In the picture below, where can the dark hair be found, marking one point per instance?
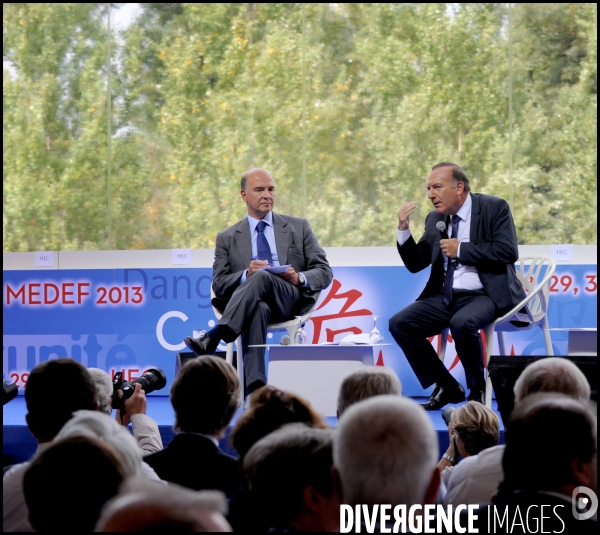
(545, 434)
(244, 181)
(67, 485)
(270, 408)
(281, 465)
(205, 395)
(55, 390)
(458, 175)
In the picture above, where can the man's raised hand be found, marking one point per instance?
(404, 215)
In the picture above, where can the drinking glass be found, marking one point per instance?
(300, 336)
(375, 336)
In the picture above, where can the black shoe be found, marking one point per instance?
(198, 345)
(478, 395)
(443, 396)
(435, 392)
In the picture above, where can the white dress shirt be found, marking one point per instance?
(269, 233)
(465, 277)
(476, 478)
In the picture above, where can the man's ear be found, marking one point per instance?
(584, 472)
(311, 498)
(433, 487)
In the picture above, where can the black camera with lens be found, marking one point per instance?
(447, 415)
(153, 379)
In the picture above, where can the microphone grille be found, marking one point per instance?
(440, 225)
(285, 340)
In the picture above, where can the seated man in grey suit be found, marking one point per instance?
(250, 296)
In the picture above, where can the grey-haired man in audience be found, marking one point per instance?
(549, 463)
(367, 382)
(144, 428)
(386, 452)
(476, 478)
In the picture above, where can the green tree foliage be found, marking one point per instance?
(55, 162)
(363, 98)
(556, 113)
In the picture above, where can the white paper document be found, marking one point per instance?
(351, 339)
(276, 270)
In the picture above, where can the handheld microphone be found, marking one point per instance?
(285, 340)
(441, 226)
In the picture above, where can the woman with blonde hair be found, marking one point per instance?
(472, 428)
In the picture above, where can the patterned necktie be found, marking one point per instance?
(449, 279)
(263, 251)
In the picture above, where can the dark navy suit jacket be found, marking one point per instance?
(195, 462)
(492, 249)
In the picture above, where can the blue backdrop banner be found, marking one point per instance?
(133, 319)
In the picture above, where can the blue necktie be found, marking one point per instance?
(449, 279)
(263, 251)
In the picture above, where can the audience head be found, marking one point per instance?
(66, 486)
(269, 409)
(386, 452)
(105, 389)
(475, 427)
(94, 424)
(367, 382)
(55, 389)
(289, 472)
(205, 395)
(144, 505)
(552, 374)
(550, 445)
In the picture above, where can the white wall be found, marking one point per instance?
(161, 258)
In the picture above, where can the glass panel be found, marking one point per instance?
(348, 105)
(555, 111)
(54, 127)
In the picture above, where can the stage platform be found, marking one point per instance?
(18, 444)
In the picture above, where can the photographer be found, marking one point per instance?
(145, 429)
(472, 428)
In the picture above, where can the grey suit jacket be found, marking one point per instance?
(296, 245)
(492, 249)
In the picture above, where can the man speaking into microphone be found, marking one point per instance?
(470, 243)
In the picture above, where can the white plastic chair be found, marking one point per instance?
(529, 313)
(291, 326)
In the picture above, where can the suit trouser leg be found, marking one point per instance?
(411, 327)
(264, 298)
(467, 313)
(472, 311)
